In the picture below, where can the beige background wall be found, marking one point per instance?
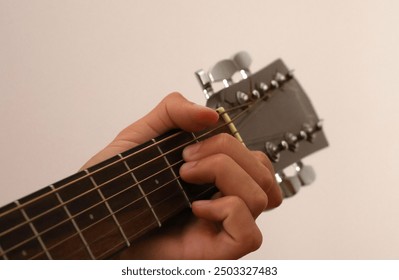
(73, 73)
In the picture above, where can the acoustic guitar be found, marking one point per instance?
(97, 212)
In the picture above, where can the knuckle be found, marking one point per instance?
(262, 157)
(267, 180)
(260, 202)
(173, 95)
(223, 140)
(255, 240)
(219, 161)
(171, 98)
(234, 202)
(277, 199)
(252, 238)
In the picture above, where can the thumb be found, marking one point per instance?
(174, 111)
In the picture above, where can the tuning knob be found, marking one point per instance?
(289, 185)
(243, 61)
(305, 173)
(292, 141)
(205, 83)
(273, 150)
(223, 71)
(311, 131)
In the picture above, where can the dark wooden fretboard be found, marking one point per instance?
(99, 211)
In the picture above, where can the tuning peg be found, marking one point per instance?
(309, 132)
(223, 71)
(292, 141)
(290, 74)
(289, 185)
(205, 83)
(263, 87)
(273, 150)
(242, 97)
(280, 78)
(319, 125)
(305, 173)
(243, 61)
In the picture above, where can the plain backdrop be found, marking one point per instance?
(74, 73)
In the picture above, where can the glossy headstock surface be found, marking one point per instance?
(273, 114)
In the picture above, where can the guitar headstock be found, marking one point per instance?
(272, 113)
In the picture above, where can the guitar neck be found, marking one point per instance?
(99, 211)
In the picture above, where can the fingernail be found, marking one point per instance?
(189, 151)
(188, 165)
(201, 202)
(201, 107)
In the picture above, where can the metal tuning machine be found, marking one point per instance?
(290, 185)
(243, 61)
(223, 71)
(272, 113)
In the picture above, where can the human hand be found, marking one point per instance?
(223, 227)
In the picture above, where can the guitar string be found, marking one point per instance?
(99, 203)
(114, 178)
(196, 138)
(92, 189)
(108, 216)
(124, 158)
(166, 217)
(89, 174)
(108, 198)
(123, 242)
(174, 135)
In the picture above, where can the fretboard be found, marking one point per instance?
(99, 211)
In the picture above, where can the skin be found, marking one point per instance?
(223, 227)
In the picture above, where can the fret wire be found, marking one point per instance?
(101, 185)
(162, 140)
(174, 174)
(195, 137)
(145, 228)
(120, 209)
(71, 217)
(141, 191)
(103, 234)
(74, 224)
(33, 228)
(110, 210)
(85, 176)
(136, 152)
(117, 245)
(84, 193)
(2, 253)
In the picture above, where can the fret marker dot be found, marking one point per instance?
(91, 217)
(156, 181)
(24, 253)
